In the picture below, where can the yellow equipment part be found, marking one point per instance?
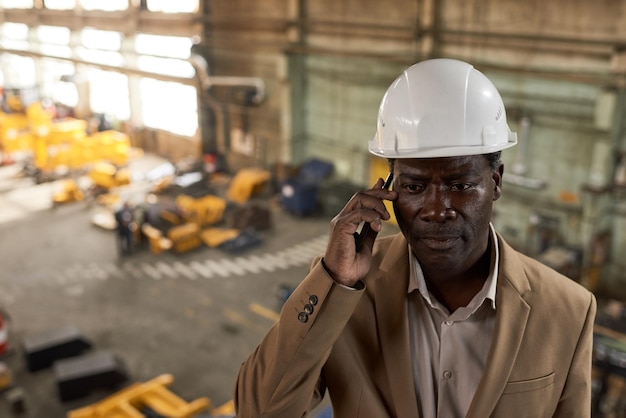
(213, 237)
(128, 402)
(206, 210)
(185, 237)
(107, 176)
(246, 183)
(69, 192)
(157, 241)
(227, 409)
(111, 146)
(58, 144)
(14, 132)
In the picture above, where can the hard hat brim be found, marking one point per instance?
(438, 152)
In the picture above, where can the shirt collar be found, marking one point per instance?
(488, 291)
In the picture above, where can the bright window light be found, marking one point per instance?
(54, 40)
(170, 6)
(58, 35)
(100, 57)
(17, 31)
(101, 39)
(169, 106)
(14, 36)
(65, 93)
(108, 93)
(167, 66)
(19, 71)
(51, 84)
(60, 4)
(107, 6)
(163, 46)
(17, 4)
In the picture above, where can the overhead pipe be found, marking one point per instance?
(208, 81)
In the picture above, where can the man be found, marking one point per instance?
(444, 319)
(125, 222)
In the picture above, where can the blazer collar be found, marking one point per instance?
(389, 287)
(511, 318)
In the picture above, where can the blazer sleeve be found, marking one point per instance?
(576, 397)
(283, 376)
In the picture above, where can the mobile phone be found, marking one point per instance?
(365, 229)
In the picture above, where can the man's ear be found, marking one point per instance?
(496, 175)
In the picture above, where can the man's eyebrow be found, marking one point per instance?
(452, 176)
(463, 174)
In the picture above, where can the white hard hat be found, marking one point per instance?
(441, 108)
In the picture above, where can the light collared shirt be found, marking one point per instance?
(449, 350)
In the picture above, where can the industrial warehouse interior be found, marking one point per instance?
(231, 133)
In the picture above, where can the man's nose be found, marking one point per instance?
(436, 206)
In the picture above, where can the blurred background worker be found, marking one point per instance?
(444, 319)
(125, 219)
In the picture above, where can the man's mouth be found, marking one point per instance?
(439, 243)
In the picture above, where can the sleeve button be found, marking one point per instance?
(313, 300)
(303, 317)
(308, 308)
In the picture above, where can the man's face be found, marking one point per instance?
(444, 208)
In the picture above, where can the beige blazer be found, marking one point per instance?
(355, 345)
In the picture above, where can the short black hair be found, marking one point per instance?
(494, 159)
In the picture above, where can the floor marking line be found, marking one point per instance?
(264, 312)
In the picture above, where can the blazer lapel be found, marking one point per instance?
(391, 306)
(511, 318)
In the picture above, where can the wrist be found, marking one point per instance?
(356, 285)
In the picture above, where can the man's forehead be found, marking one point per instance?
(462, 163)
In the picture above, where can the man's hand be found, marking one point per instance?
(343, 262)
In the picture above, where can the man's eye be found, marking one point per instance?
(460, 187)
(414, 188)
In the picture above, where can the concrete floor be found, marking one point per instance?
(195, 315)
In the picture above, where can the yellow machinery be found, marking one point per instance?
(185, 237)
(206, 210)
(190, 216)
(154, 394)
(69, 192)
(246, 183)
(107, 176)
(158, 243)
(14, 132)
(60, 143)
(213, 237)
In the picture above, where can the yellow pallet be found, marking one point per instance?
(154, 394)
(246, 183)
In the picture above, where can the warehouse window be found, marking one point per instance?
(100, 46)
(164, 54)
(169, 106)
(107, 6)
(164, 46)
(54, 40)
(17, 4)
(101, 39)
(15, 35)
(55, 74)
(108, 93)
(19, 72)
(169, 6)
(60, 4)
